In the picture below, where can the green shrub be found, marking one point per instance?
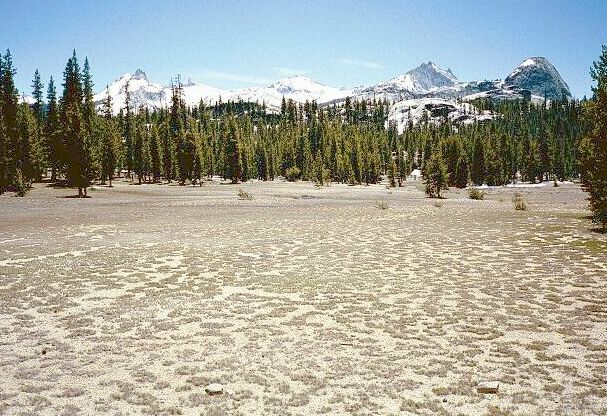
(293, 173)
(475, 193)
(324, 178)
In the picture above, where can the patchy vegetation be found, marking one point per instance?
(475, 193)
(519, 202)
(304, 306)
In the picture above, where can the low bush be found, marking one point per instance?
(475, 193)
(381, 205)
(293, 173)
(519, 202)
(242, 194)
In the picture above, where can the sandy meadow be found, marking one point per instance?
(300, 301)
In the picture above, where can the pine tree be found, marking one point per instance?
(4, 161)
(187, 157)
(177, 123)
(594, 145)
(3, 156)
(128, 129)
(110, 142)
(393, 172)
(30, 153)
(155, 158)
(93, 132)
(72, 127)
(167, 152)
(232, 153)
(54, 144)
(533, 162)
(138, 149)
(436, 175)
(494, 174)
(88, 109)
(199, 157)
(38, 95)
(8, 110)
(477, 165)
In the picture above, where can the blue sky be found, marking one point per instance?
(234, 44)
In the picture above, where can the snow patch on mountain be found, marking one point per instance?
(436, 111)
(297, 88)
(27, 99)
(193, 93)
(528, 62)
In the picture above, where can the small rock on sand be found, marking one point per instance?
(214, 388)
(488, 387)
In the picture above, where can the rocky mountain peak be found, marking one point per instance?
(537, 75)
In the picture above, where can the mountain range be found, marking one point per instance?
(425, 91)
(535, 78)
(152, 96)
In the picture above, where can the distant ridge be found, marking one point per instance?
(535, 78)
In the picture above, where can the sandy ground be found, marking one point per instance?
(300, 301)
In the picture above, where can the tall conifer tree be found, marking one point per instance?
(594, 145)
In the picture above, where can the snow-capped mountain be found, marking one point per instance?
(153, 96)
(143, 93)
(297, 88)
(193, 93)
(540, 77)
(534, 79)
(23, 98)
(427, 78)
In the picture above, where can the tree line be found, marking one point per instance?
(71, 138)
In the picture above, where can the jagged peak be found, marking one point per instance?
(425, 65)
(139, 74)
(430, 66)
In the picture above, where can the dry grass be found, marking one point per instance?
(519, 202)
(242, 194)
(381, 205)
